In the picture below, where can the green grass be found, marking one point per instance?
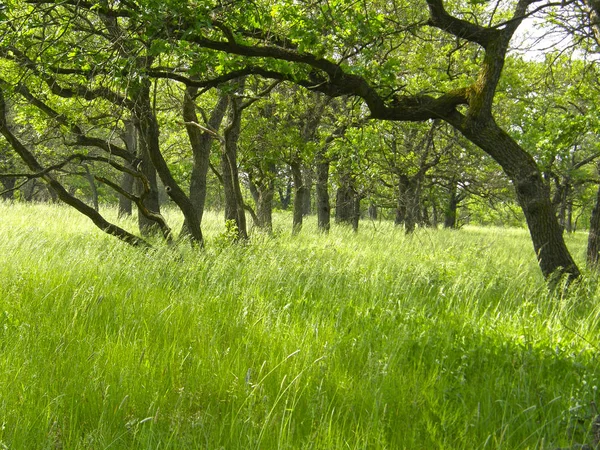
(441, 340)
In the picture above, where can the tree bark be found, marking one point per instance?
(593, 248)
(308, 183)
(149, 133)
(234, 203)
(322, 192)
(92, 182)
(450, 213)
(263, 193)
(129, 137)
(532, 193)
(200, 142)
(345, 201)
(8, 184)
(151, 200)
(299, 196)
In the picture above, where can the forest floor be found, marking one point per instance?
(440, 340)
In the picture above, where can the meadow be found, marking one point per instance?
(375, 340)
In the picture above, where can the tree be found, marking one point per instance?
(386, 56)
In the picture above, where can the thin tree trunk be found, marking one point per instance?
(372, 211)
(322, 192)
(299, 194)
(593, 248)
(129, 137)
(344, 201)
(234, 204)
(450, 214)
(92, 182)
(308, 183)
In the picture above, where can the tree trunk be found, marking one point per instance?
(263, 193)
(308, 183)
(234, 203)
(322, 192)
(200, 142)
(344, 201)
(569, 219)
(532, 193)
(151, 200)
(372, 211)
(285, 197)
(149, 133)
(450, 214)
(129, 137)
(412, 206)
(593, 248)
(8, 183)
(92, 182)
(299, 195)
(264, 206)
(355, 211)
(401, 200)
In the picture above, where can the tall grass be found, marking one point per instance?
(441, 340)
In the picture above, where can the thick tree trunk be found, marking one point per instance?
(234, 203)
(532, 193)
(322, 192)
(299, 196)
(200, 142)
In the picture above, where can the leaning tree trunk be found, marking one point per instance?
(234, 203)
(200, 142)
(532, 193)
(149, 133)
(322, 192)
